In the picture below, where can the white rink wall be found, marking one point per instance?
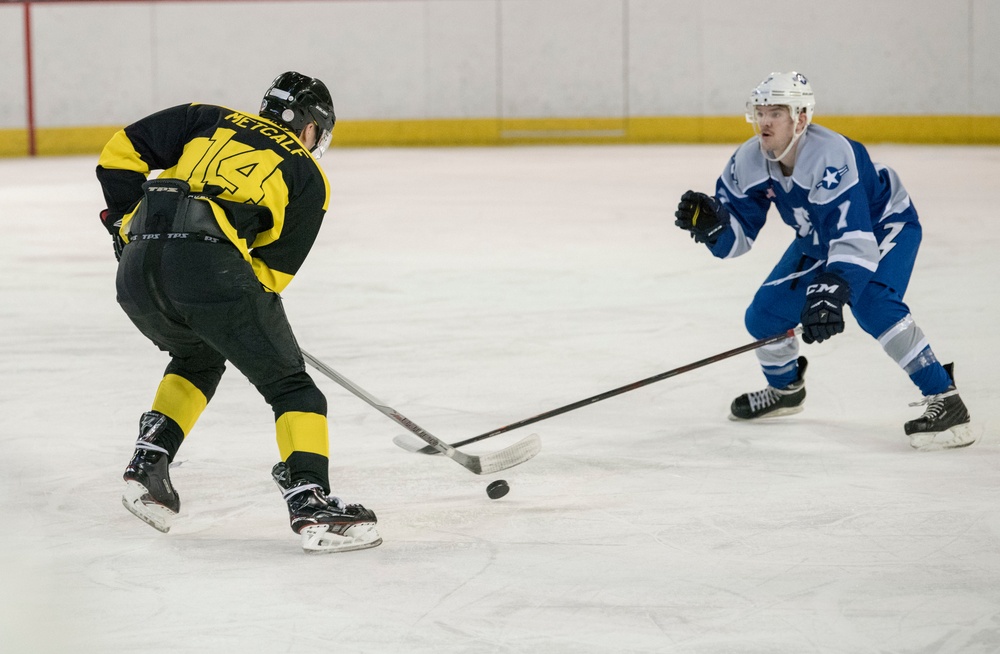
(106, 63)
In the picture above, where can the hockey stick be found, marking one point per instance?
(485, 464)
(409, 445)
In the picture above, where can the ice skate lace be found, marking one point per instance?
(149, 447)
(935, 404)
(336, 502)
(762, 399)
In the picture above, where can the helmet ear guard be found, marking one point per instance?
(295, 100)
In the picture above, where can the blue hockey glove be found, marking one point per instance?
(701, 215)
(113, 222)
(823, 313)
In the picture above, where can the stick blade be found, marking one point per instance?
(413, 444)
(484, 464)
(513, 455)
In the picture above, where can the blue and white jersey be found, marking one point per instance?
(834, 199)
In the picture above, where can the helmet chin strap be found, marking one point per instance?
(791, 144)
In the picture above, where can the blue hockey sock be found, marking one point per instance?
(932, 379)
(781, 377)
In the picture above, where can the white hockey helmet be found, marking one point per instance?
(790, 89)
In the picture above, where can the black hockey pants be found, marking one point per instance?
(201, 302)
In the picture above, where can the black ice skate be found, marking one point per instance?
(326, 523)
(772, 402)
(945, 423)
(281, 476)
(149, 495)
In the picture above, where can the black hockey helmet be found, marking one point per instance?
(295, 100)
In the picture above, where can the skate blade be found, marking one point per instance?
(139, 503)
(950, 439)
(777, 413)
(317, 539)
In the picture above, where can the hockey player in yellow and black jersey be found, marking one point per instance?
(204, 249)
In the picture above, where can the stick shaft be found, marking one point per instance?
(629, 387)
(383, 408)
(479, 464)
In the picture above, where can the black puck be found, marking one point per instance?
(497, 489)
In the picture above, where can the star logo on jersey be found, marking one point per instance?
(832, 177)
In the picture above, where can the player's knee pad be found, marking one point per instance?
(296, 392)
(764, 319)
(878, 309)
(204, 373)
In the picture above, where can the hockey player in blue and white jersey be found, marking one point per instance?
(856, 240)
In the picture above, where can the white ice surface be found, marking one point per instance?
(469, 289)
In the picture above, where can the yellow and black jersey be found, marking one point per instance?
(270, 193)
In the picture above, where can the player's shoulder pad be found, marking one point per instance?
(747, 168)
(825, 164)
(207, 108)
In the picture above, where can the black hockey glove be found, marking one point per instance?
(113, 222)
(823, 313)
(702, 215)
